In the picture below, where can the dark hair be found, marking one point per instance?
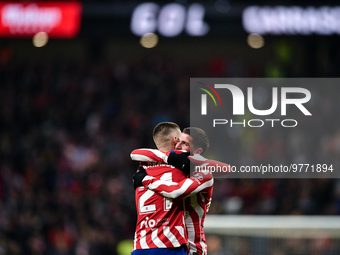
(199, 138)
(163, 129)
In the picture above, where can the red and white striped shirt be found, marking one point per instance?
(160, 222)
(196, 191)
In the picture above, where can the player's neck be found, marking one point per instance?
(164, 148)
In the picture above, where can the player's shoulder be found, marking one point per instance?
(178, 175)
(178, 151)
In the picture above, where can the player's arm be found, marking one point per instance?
(181, 160)
(187, 187)
(216, 167)
(149, 155)
(176, 158)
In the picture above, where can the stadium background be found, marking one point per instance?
(73, 110)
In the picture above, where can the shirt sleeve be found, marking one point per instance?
(152, 155)
(198, 182)
(149, 155)
(202, 164)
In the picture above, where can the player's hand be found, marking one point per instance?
(138, 177)
(180, 161)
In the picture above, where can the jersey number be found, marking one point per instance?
(144, 209)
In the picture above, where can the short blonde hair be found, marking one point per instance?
(162, 131)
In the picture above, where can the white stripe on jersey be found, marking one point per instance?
(174, 193)
(143, 243)
(178, 192)
(171, 237)
(204, 247)
(142, 158)
(180, 230)
(156, 240)
(194, 208)
(134, 241)
(203, 186)
(198, 157)
(200, 212)
(148, 177)
(159, 182)
(191, 233)
(161, 155)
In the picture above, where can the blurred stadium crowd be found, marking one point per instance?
(66, 132)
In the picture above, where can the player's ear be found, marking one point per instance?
(175, 139)
(198, 151)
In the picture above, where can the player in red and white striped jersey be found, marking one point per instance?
(160, 221)
(196, 190)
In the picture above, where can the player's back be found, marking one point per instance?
(160, 221)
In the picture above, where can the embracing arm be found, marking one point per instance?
(202, 164)
(149, 155)
(187, 187)
(153, 155)
(177, 158)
